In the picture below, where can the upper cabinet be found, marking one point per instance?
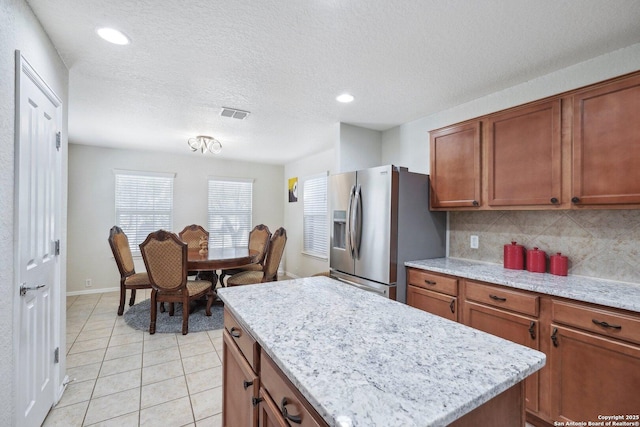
(606, 144)
(575, 150)
(455, 166)
(525, 156)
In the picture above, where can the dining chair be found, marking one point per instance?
(258, 241)
(165, 257)
(272, 261)
(129, 279)
(191, 235)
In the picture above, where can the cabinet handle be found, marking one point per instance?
(554, 200)
(575, 199)
(452, 306)
(256, 400)
(429, 282)
(497, 298)
(293, 418)
(606, 325)
(475, 203)
(235, 332)
(554, 338)
(246, 384)
(532, 330)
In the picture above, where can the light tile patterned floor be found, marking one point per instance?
(124, 377)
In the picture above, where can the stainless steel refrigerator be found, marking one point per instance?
(380, 219)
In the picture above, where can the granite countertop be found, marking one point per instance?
(598, 291)
(364, 360)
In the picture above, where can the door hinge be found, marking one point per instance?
(56, 355)
(57, 247)
(58, 141)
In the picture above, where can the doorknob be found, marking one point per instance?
(24, 288)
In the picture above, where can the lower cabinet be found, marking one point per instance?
(240, 386)
(593, 352)
(269, 414)
(513, 327)
(255, 391)
(593, 371)
(432, 302)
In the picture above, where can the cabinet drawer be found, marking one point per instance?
(247, 345)
(503, 298)
(432, 281)
(432, 302)
(604, 322)
(285, 395)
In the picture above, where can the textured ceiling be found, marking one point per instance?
(285, 61)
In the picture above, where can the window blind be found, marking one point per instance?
(230, 207)
(144, 203)
(315, 229)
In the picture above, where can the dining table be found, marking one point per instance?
(220, 259)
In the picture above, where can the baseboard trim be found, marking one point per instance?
(92, 291)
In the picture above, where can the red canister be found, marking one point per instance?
(558, 264)
(514, 256)
(536, 261)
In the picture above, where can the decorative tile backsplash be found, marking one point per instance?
(599, 243)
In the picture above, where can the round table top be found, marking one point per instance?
(220, 258)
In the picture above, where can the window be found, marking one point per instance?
(144, 203)
(315, 228)
(230, 204)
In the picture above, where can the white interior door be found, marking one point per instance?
(37, 217)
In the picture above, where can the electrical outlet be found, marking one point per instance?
(474, 242)
(87, 283)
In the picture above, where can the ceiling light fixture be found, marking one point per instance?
(205, 143)
(345, 98)
(113, 36)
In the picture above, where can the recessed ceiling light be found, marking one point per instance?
(113, 36)
(345, 97)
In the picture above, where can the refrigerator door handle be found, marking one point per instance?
(357, 220)
(349, 222)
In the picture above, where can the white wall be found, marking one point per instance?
(20, 30)
(297, 263)
(358, 148)
(408, 144)
(92, 207)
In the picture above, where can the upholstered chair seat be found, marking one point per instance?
(272, 261)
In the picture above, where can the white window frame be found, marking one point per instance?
(318, 245)
(217, 237)
(160, 209)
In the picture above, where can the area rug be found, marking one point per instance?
(139, 315)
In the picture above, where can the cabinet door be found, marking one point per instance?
(525, 156)
(433, 302)
(592, 375)
(269, 413)
(240, 386)
(455, 166)
(606, 144)
(519, 329)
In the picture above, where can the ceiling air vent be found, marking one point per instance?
(233, 113)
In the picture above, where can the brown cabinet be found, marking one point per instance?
(433, 293)
(591, 373)
(269, 414)
(289, 403)
(576, 150)
(455, 166)
(525, 156)
(255, 391)
(240, 384)
(606, 144)
(522, 330)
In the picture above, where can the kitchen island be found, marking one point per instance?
(360, 359)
